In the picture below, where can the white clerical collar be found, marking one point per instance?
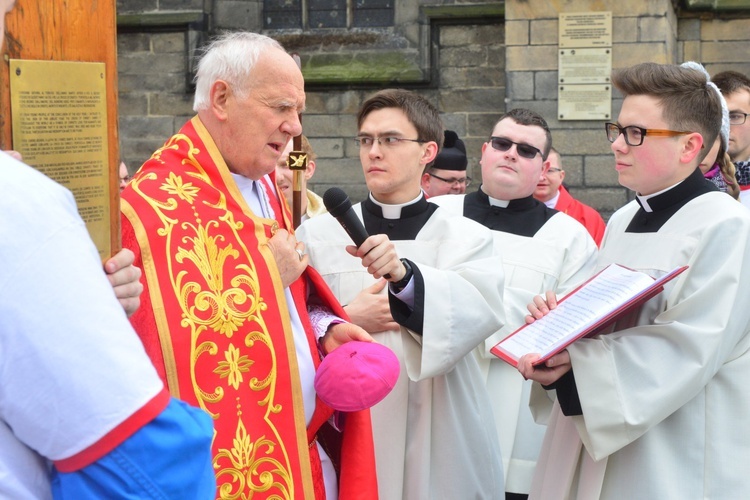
(394, 211)
(643, 200)
(494, 202)
(553, 201)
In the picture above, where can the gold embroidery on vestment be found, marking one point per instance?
(212, 306)
(251, 468)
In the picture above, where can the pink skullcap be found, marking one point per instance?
(356, 376)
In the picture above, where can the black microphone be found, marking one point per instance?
(337, 203)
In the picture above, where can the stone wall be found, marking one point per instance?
(154, 97)
(472, 60)
(642, 31)
(452, 54)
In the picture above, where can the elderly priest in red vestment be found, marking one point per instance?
(232, 317)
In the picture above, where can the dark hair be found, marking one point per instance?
(526, 117)
(730, 82)
(420, 112)
(687, 101)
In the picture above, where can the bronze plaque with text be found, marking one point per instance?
(59, 118)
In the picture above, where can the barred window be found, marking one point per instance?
(312, 14)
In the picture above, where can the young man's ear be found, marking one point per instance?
(310, 170)
(430, 152)
(692, 148)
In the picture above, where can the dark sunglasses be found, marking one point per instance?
(524, 150)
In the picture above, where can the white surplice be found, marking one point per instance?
(434, 433)
(665, 403)
(558, 257)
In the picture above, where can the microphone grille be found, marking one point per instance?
(336, 201)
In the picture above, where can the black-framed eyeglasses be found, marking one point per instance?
(634, 135)
(365, 141)
(737, 118)
(465, 181)
(525, 150)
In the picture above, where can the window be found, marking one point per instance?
(312, 14)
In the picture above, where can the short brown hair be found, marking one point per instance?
(688, 102)
(420, 112)
(730, 82)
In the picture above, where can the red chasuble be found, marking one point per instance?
(214, 320)
(584, 214)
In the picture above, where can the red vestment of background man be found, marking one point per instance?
(584, 214)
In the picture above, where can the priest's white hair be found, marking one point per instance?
(230, 57)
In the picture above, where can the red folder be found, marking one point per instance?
(547, 335)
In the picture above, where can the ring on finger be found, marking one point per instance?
(300, 253)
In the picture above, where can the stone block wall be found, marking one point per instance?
(640, 31)
(659, 31)
(469, 95)
(718, 40)
(154, 97)
(467, 82)
(471, 64)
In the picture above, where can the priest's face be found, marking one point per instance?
(658, 162)
(257, 124)
(393, 168)
(510, 174)
(551, 179)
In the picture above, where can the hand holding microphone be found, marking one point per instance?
(378, 253)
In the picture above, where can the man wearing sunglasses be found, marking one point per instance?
(433, 433)
(658, 408)
(542, 249)
(447, 174)
(736, 90)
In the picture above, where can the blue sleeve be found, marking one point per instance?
(168, 458)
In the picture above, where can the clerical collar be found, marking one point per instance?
(520, 204)
(643, 199)
(686, 189)
(657, 209)
(553, 201)
(394, 211)
(522, 217)
(494, 202)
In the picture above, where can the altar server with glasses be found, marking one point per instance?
(658, 407)
(433, 433)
